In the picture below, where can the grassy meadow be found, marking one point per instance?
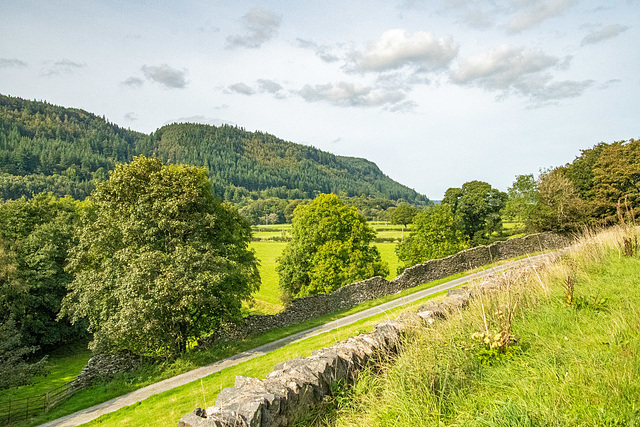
(267, 299)
(572, 356)
(63, 365)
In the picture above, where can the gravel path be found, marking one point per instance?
(86, 415)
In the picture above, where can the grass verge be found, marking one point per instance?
(528, 356)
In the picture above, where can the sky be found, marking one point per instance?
(436, 93)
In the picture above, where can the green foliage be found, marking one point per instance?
(550, 204)
(330, 248)
(560, 207)
(604, 174)
(523, 200)
(436, 233)
(479, 206)
(15, 368)
(66, 151)
(160, 261)
(35, 238)
(488, 355)
(403, 214)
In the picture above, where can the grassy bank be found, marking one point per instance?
(565, 358)
(63, 365)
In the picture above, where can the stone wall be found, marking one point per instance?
(314, 306)
(103, 367)
(297, 386)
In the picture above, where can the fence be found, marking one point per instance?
(21, 409)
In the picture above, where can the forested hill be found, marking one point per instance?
(65, 150)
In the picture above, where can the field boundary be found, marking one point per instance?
(22, 409)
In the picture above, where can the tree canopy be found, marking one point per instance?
(479, 206)
(44, 147)
(330, 248)
(436, 233)
(159, 261)
(35, 238)
(403, 214)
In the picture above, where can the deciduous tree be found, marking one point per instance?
(37, 235)
(436, 233)
(479, 206)
(160, 261)
(403, 214)
(330, 248)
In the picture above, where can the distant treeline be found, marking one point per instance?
(46, 148)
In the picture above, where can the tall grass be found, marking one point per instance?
(565, 365)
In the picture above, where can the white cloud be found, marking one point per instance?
(345, 94)
(131, 116)
(324, 52)
(241, 88)
(395, 50)
(63, 66)
(501, 67)
(167, 76)
(13, 62)
(133, 82)
(604, 33)
(269, 86)
(507, 69)
(536, 13)
(259, 25)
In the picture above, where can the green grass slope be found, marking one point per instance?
(573, 364)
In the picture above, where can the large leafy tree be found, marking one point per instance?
(603, 174)
(160, 261)
(479, 206)
(35, 238)
(436, 233)
(330, 248)
(616, 174)
(403, 214)
(560, 207)
(522, 205)
(552, 203)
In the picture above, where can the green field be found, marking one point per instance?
(267, 299)
(63, 366)
(282, 232)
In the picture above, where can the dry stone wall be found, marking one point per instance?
(313, 306)
(297, 386)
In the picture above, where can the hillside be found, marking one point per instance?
(44, 147)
